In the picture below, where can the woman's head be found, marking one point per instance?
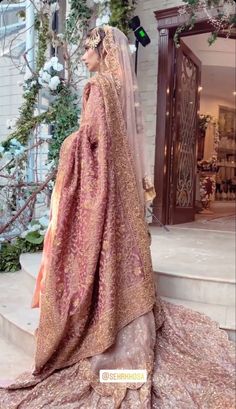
(94, 52)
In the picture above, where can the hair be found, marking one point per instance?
(99, 49)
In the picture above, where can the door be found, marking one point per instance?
(184, 136)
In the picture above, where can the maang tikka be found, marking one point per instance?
(94, 39)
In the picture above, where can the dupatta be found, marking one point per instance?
(96, 274)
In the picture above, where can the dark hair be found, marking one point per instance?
(99, 49)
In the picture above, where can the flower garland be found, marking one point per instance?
(219, 13)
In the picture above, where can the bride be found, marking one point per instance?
(99, 308)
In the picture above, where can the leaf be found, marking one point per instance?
(34, 238)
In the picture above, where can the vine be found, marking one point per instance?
(220, 15)
(27, 121)
(121, 13)
(117, 13)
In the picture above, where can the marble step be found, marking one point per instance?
(169, 285)
(13, 360)
(30, 263)
(18, 320)
(195, 265)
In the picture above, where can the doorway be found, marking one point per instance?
(178, 138)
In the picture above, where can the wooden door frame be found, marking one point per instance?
(167, 22)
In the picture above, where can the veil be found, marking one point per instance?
(118, 61)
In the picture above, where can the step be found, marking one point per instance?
(177, 288)
(30, 263)
(195, 265)
(225, 316)
(13, 360)
(18, 320)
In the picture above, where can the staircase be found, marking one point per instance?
(190, 271)
(196, 268)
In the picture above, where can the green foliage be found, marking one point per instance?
(77, 20)
(27, 121)
(10, 253)
(65, 113)
(221, 21)
(121, 13)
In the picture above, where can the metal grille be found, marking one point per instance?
(187, 127)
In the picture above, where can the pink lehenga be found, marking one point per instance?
(99, 308)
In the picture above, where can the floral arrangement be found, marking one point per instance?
(204, 120)
(219, 13)
(208, 165)
(207, 190)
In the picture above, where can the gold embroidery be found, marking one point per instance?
(92, 289)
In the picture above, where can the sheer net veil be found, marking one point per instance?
(119, 62)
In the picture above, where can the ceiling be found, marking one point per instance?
(218, 65)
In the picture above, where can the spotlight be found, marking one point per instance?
(139, 31)
(141, 36)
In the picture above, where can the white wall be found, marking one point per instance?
(210, 105)
(147, 67)
(10, 94)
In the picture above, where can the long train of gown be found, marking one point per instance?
(194, 368)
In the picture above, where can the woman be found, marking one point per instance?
(95, 288)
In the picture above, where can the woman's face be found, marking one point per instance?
(91, 59)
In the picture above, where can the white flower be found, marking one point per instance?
(33, 83)
(7, 155)
(2, 150)
(44, 221)
(19, 151)
(105, 19)
(41, 82)
(35, 227)
(54, 82)
(47, 66)
(55, 64)
(98, 22)
(46, 77)
(15, 142)
(58, 67)
(132, 48)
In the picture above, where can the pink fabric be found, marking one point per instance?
(194, 368)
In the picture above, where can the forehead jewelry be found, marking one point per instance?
(93, 40)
